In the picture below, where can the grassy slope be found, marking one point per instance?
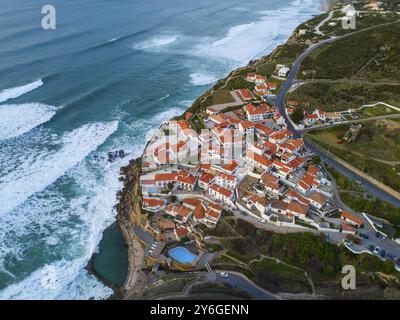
(359, 56)
(342, 96)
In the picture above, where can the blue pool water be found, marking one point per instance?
(182, 255)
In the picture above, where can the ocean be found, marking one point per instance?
(103, 80)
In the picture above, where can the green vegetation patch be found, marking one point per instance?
(379, 140)
(342, 96)
(370, 55)
(278, 277)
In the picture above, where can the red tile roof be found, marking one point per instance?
(225, 192)
(206, 177)
(351, 217)
(181, 232)
(165, 176)
(297, 207)
(149, 202)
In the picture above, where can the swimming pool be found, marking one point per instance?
(182, 255)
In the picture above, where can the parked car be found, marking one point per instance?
(244, 213)
(371, 248)
(363, 235)
(376, 250)
(378, 234)
(224, 274)
(391, 257)
(383, 253)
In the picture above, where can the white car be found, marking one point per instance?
(376, 250)
(224, 274)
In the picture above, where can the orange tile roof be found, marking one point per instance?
(297, 207)
(215, 207)
(165, 176)
(293, 194)
(231, 166)
(225, 192)
(313, 170)
(199, 212)
(246, 124)
(187, 179)
(149, 202)
(263, 128)
(228, 177)
(181, 232)
(352, 217)
(317, 197)
(206, 177)
(259, 159)
(213, 214)
(192, 202)
(246, 93)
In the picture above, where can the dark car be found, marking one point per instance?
(363, 235)
(378, 234)
(383, 253)
(391, 257)
(371, 248)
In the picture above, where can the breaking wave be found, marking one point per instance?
(17, 119)
(38, 171)
(15, 92)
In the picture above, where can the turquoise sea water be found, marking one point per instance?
(108, 75)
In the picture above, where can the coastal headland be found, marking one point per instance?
(270, 269)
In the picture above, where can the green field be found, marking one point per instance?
(386, 172)
(222, 96)
(377, 139)
(372, 55)
(330, 96)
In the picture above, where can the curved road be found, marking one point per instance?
(239, 281)
(280, 102)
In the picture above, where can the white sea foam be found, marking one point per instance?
(201, 78)
(17, 119)
(157, 43)
(70, 227)
(45, 168)
(239, 45)
(250, 40)
(113, 39)
(15, 92)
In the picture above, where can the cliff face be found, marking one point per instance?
(129, 206)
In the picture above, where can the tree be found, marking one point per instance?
(316, 159)
(297, 115)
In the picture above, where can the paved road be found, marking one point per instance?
(324, 155)
(239, 281)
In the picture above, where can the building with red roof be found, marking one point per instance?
(351, 218)
(220, 193)
(245, 95)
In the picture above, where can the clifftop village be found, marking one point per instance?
(245, 161)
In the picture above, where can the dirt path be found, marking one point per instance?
(136, 278)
